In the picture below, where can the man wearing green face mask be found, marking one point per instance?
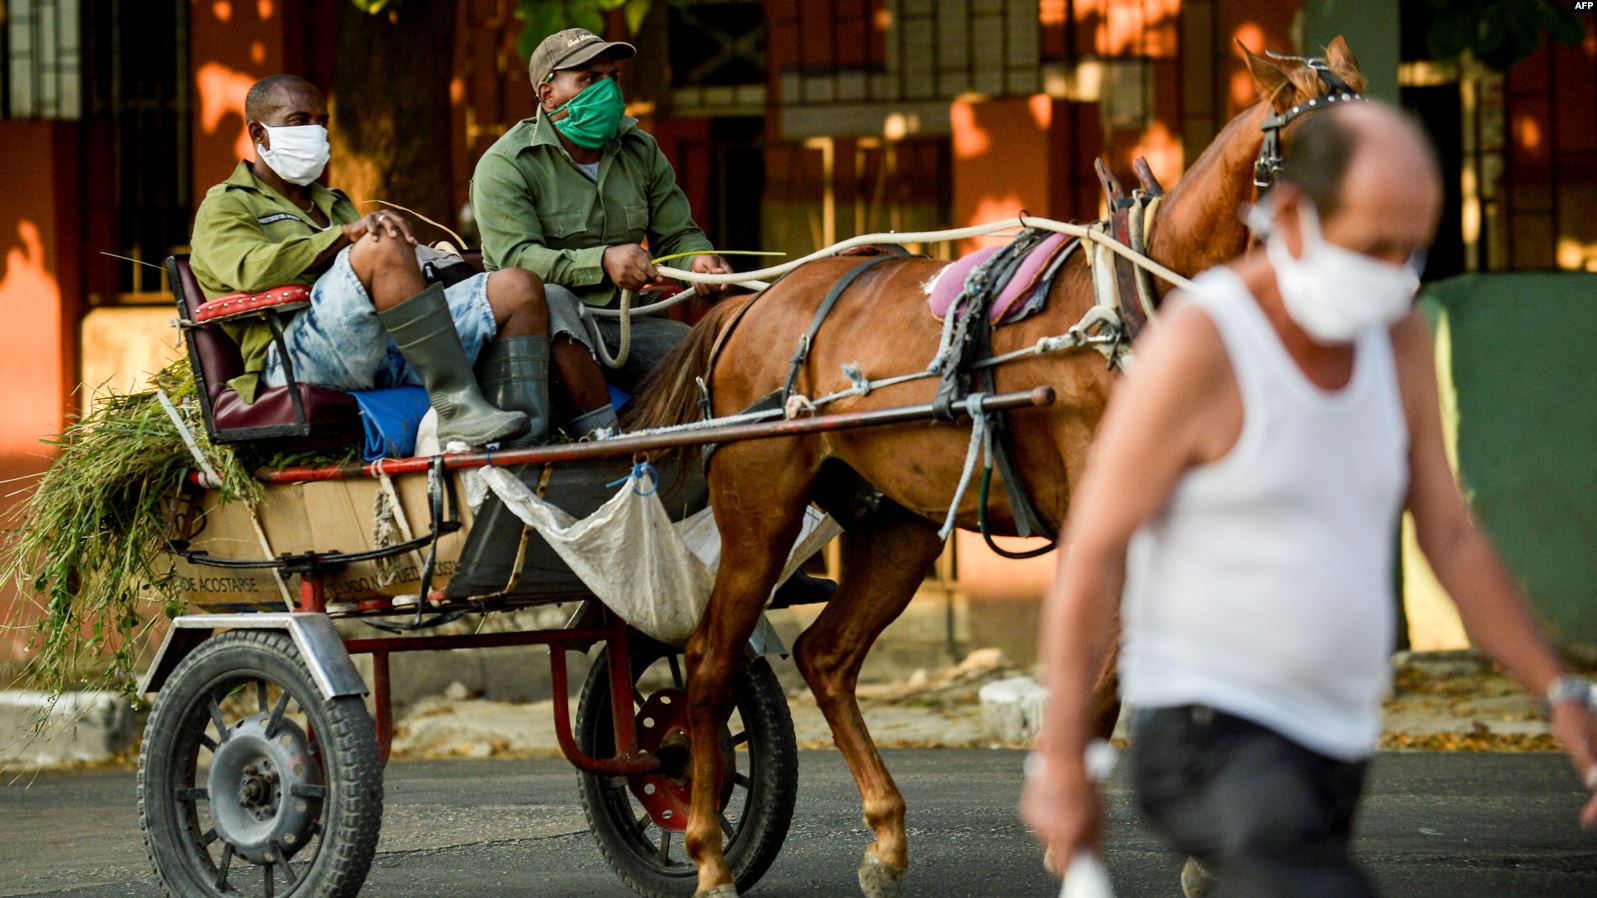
(571, 194)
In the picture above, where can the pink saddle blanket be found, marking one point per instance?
(950, 282)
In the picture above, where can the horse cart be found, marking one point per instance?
(262, 767)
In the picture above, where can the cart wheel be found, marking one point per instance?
(638, 820)
(251, 783)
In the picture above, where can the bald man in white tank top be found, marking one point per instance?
(1239, 510)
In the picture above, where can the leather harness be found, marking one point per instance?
(973, 334)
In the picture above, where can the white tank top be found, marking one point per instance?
(1264, 586)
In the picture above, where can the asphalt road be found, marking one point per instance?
(1444, 825)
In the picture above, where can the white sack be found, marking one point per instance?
(655, 574)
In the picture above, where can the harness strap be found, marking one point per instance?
(802, 354)
(705, 408)
(1028, 521)
(1269, 162)
(968, 314)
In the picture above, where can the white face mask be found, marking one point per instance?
(1334, 293)
(298, 153)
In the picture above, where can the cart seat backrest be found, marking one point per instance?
(320, 411)
(216, 354)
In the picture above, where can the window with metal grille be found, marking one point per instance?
(137, 109)
(718, 58)
(41, 59)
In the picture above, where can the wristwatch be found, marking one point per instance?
(1570, 688)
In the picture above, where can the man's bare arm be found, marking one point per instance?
(1160, 422)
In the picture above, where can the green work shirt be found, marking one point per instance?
(249, 238)
(538, 211)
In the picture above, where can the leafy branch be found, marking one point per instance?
(541, 18)
(1499, 33)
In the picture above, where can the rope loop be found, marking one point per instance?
(640, 471)
(796, 404)
(856, 376)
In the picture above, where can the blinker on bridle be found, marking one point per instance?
(1268, 165)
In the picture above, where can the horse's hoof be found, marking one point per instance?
(878, 880)
(1196, 880)
(725, 890)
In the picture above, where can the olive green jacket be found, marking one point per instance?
(248, 238)
(538, 211)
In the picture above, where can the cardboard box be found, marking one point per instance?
(328, 516)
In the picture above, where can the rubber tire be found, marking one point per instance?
(773, 781)
(353, 813)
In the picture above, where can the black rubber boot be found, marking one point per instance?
(514, 373)
(425, 334)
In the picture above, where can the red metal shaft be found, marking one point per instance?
(624, 447)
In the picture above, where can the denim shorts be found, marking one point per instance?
(652, 338)
(340, 342)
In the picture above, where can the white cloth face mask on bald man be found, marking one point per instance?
(298, 154)
(1332, 292)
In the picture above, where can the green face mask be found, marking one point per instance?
(593, 117)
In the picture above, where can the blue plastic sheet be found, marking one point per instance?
(389, 418)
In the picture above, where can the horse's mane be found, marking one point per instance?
(670, 394)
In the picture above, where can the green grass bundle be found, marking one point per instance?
(88, 547)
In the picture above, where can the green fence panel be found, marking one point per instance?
(1524, 364)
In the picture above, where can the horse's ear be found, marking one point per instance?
(1269, 77)
(1344, 64)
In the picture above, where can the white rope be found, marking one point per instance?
(980, 445)
(601, 351)
(1085, 232)
(669, 301)
(1105, 313)
(398, 508)
(266, 547)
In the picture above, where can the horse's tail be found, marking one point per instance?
(670, 394)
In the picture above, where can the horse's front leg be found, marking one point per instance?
(758, 528)
(884, 561)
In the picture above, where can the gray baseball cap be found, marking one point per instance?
(570, 48)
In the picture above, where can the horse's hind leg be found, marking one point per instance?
(759, 500)
(884, 561)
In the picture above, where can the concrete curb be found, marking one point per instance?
(1011, 709)
(76, 727)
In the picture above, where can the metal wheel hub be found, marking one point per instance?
(255, 786)
(663, 732)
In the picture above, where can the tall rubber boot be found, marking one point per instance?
(425, 334)
(514, 373)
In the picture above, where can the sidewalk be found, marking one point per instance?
(1440, 702)
(1443, 701)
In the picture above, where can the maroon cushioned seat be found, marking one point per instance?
(216, 360)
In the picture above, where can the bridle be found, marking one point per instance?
(1268, 165)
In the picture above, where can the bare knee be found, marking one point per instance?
(517, 299)
(370, 256)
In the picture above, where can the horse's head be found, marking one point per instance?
(1198, 225)
(1292, 87)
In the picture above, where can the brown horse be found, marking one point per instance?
(759, 490)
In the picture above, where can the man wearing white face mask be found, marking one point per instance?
(374, 320)
(1244, 490)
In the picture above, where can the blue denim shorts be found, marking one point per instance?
(340, 342)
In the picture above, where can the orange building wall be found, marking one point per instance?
(1000, 160)
(233, 44)
(39, 303)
